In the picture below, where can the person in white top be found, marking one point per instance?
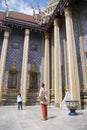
(19, 101)
(43, 101)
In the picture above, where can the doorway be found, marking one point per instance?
(34, 78)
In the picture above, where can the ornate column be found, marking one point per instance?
(25, 66)
(3, 60)
(52, 64)
(65, 60)
(72, 58)
(57, 64)
(42, 60)
(47, 67)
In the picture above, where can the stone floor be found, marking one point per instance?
(30, 119)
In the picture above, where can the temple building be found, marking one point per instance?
(52, 51)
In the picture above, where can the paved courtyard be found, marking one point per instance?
(30, 119)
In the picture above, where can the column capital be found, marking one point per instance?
(68, 12)
(6, 34)
(56, 22)
(27, 32)
(46, 35)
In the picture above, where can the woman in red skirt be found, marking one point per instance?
(43, 101)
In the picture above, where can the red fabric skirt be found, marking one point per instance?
(44, 111)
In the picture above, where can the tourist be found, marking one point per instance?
(43, 102)
(19, 101)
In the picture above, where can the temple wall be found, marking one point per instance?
(35, 52)
(76, 35)
(35, 48)
(15, 51)
(83, 16)
(80, 16)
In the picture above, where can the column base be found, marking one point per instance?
(48, 103)
(66, 88)
(0, 100)
(57, 105)
(0, 103)
(84, 90)
(84, 87)
(24, 103)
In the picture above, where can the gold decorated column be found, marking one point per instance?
(72, 58)
(57, 63)
(42, 60)
(47, 67)
(3, 60)
(52, 63)
(25, 66)
(65, 61)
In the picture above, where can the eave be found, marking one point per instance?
(2, 27)
(23, 24)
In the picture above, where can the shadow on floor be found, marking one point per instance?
(79, 113)
(51, 117)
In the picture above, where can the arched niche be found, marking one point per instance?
(13, 76)
(34, 78)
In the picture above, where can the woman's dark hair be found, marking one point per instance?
(19, 94)
(43, 84)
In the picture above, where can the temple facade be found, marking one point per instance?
(54, 53)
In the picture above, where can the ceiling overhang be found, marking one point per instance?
(23, 24)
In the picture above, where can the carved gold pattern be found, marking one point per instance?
(13, 74)
(13, 66)
(33, 80)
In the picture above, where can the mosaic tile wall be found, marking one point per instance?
(83, 16)
(76, 35)
(35, 47)
(15, 51)
(83, 9)
(83, 13)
